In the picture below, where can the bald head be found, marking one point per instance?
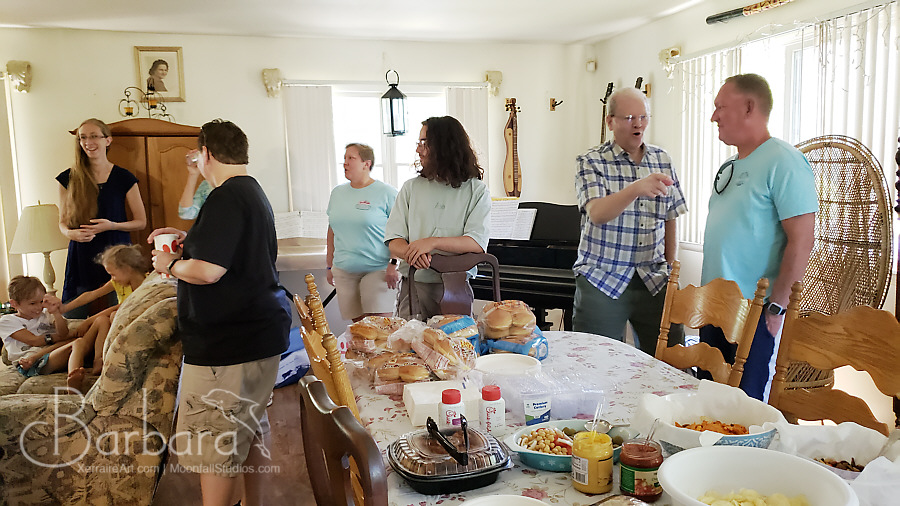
(617, 95)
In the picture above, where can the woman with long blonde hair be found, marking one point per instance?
(94, 195)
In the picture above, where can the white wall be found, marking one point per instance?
(80, 74)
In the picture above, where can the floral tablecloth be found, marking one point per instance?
(626, 369)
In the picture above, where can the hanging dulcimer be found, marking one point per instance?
(512, 173)
(609, 90)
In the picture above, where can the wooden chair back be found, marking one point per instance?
(458, 295)
(863, 337)
(331, 437)
(719, 303)
(322, 347)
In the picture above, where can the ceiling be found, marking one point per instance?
(565, 21)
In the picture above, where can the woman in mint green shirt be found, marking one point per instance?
(445, 210)
(359, 264)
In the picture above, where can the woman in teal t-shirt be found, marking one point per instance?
(359, 264)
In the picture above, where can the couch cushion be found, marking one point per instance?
(49, 383)
(10, 380)
(143, 360)
(151, 291)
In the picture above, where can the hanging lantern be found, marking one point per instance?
(393, 108)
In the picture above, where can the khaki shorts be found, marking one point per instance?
(222, 412)
(360, 293)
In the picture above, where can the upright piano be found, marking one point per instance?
(538, 271)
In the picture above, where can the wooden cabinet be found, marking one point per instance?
(154, 151)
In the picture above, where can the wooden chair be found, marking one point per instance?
(458, 295)
(322, 348)
(850, 263)
(718, 303)
(863, 337)
(331, 437)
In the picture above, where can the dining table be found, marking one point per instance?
(628, 372)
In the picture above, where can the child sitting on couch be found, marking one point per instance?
(35, 337)
(127, 268)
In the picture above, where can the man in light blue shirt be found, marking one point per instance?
(761, 219)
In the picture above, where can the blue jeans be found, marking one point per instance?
(756, 370)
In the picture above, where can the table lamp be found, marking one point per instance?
(38, 232)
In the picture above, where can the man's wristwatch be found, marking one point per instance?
(48, 338)
(775, 308)
(172, 264)
(394, 261)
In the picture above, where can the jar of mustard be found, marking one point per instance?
(592, 463)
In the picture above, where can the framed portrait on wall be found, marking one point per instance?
(160, 69)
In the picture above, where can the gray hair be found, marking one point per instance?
(626, 92)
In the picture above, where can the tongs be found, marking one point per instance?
(460, 457)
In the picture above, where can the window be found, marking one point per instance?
(357, 118)
(321, 119)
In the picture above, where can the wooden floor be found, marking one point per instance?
(290, 486)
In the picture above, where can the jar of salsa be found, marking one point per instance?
(592, 463)
(639, 463)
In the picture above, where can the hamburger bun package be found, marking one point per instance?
(458, 326)
(393, 370)
(534, 345)
(369, 336)
(506, 318)
(511, 327)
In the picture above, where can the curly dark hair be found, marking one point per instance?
(450, 157)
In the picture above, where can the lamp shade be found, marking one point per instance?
(38, 231)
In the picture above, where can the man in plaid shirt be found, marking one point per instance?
(629, 196)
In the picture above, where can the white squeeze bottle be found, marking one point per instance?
(450, 408)
(493, 408)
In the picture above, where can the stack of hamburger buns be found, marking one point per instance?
(370, 335)
(509, 319)
(509, 326)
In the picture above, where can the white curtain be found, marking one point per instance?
(858, 80)
(309, 129)
(470, 106)
(701, 150)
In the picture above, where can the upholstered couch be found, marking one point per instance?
(107, 447)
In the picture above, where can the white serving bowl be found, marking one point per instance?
(507, 364)
(691, 473)
(718, 402)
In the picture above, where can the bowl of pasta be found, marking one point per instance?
(734, 475)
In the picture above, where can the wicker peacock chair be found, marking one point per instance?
(850, 264)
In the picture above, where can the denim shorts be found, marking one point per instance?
(35, 370)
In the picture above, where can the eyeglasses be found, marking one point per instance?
(420, 143)
(723, 177)
(83, 138)
(630, 118)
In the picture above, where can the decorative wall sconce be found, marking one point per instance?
(272, 81)
(393, 108)
(19, 75)
(493, 78)
(149, 100)
(669, 57)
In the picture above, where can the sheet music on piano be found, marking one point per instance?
(301, 224)
(510, 222)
